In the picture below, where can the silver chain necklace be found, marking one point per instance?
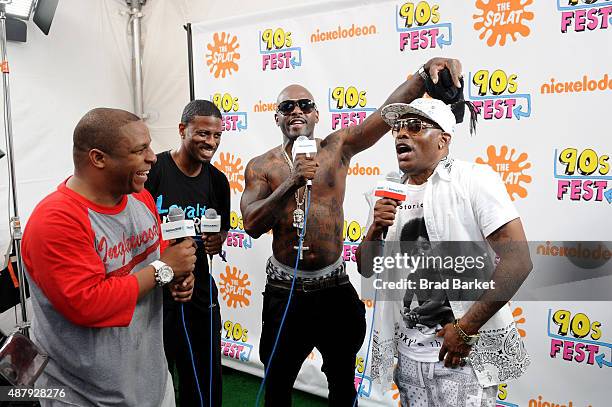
(298, 213)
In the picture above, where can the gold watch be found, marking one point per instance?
(468, 339)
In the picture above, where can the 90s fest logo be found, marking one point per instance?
(582, 175)
(500, 19)
(352, 233)
(277, 50)
(347, 106)
(584, 15)
(578, 339)
(233, 119)
(234, 341)
(419, 26)
(494, 94)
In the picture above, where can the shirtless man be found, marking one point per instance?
(325, 310)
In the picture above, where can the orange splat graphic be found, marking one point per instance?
(235, 287)
(223, 55)
(502, 18)
(517, 313)
(396, 395)
(232, 167)
(511, 171)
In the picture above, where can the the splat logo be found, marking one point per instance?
(222, 57)
(519, 319)
(500, 19)
(233, 119)
(494, 94)
(278, 51)
(584, 15)
(235, 287)
(420, 26)
(512, 170)
(582, 175)
(232, 167)
(347, 106)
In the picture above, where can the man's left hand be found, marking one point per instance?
(182, 289)
(212, 243)
(454, 348)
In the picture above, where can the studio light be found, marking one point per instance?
(20, 8)
(20, 11)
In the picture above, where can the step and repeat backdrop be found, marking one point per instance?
(540, 74)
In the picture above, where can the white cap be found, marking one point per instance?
(431, 109)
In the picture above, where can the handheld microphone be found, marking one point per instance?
(304, 145)
(393, 188)
(211, 223)
(177, 227)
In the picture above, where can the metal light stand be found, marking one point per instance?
(135, 17)
(16, 235)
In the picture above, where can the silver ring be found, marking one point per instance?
(463, 361)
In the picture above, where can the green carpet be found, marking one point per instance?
(240, 390)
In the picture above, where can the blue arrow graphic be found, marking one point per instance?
(608, 195)
(441, 40)
(601, 360)
(518, 112)
(240, 124)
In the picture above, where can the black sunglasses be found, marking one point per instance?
(287, 106)
(412, 125)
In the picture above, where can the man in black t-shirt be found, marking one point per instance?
(186, 178)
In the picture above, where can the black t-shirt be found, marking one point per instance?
(209, 189)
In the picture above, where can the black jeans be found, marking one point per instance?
(332, 320)
(177, 351)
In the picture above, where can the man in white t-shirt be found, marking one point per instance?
(439, 339)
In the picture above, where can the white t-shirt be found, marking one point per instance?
(422, 312)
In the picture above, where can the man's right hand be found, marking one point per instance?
(181, 257)
(304, 168)
(384, 216)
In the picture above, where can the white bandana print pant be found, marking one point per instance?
(423, 384)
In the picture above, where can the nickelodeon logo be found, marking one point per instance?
(540, 402)
(264, 107)
(342, 33)
(585, 85)
(363, 170)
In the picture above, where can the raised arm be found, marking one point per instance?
(363, 136)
